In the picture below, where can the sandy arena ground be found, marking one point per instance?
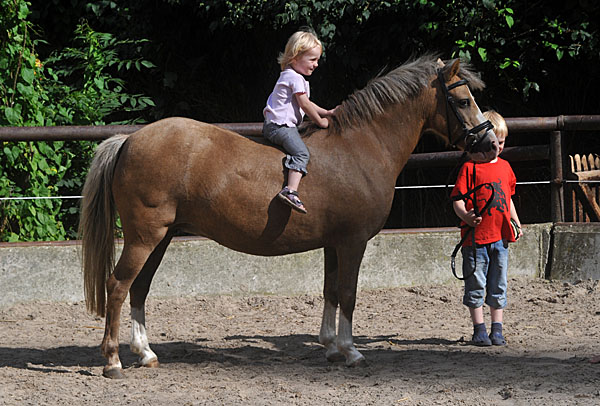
(222, 350)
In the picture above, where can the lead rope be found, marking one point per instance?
(470, 195)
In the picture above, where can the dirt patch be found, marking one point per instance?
(264, 350)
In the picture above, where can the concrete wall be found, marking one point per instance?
(51, 271)
(575, 252)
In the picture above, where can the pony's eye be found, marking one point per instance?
(464, 102)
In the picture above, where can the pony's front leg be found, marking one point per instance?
(327, 335)
(349, 259)
(345, 343)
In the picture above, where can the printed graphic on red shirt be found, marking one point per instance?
(499, 177)
(499, 201)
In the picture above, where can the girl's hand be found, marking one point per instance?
(323, 123)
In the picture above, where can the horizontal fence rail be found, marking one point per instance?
(552, 152)
(433, 159)
(98, 133)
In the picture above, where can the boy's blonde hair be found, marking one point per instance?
(299, 42)
(498, 121)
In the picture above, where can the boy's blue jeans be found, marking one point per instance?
(289, 138)
(489, 279)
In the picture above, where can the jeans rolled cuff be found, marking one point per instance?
(293, 167)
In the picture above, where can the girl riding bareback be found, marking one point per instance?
(287, 105)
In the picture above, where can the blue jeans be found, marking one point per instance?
(288, 137)
(489, 279)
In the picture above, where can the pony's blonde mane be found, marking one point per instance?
(395, 87)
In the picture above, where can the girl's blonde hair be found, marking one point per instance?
(299, 42)
(498, 121)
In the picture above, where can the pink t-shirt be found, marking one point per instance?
(282, 107)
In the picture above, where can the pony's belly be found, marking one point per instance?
(269, 248)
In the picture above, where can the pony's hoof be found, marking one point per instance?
(113, 373)
(335, 357)
(359, 363)
(152, 364)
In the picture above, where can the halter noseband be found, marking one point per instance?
(486, 125)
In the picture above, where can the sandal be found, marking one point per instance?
(290, 197)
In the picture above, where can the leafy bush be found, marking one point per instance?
(76, 85)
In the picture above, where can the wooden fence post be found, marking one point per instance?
(556, 184)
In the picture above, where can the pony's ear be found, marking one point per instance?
(451, 69)
(440, 63)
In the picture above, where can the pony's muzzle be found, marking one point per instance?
(483, 147)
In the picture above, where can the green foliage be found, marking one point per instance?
(19, 68)
(515, 40)
(521, 48)
(84, 82)
(73, 86)
(35, 169)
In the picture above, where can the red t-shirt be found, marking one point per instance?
(495, 221)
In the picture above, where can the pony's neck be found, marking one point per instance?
(399, 129)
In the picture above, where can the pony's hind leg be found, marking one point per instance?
(133, 258)
(327, 336)
(139, 340)
(349, 259)
(137, 299)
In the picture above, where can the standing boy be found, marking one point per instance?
(493, 231)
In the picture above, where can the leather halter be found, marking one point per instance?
(486, 125)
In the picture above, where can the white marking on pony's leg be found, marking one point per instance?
(327, 333)
(113, 366)
(139, 340)
(345, 344)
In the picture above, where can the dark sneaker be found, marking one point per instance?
(497, 338)
(481, 339)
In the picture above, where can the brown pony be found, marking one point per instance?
(180, 175)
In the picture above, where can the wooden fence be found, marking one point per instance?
(583, 204)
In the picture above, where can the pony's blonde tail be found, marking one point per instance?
(97, 224)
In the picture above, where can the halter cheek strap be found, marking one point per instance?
(486, 125)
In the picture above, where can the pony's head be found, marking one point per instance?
(466, 127)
